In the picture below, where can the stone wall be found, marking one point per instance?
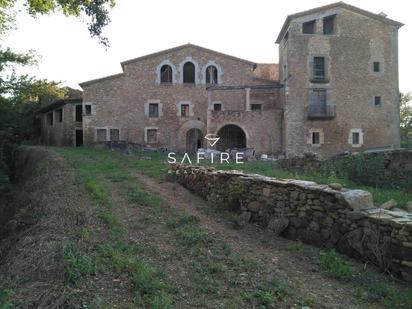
(317, 214)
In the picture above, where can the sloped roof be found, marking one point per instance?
(59, 103)
(268, 71)
(336, 5)
(100, 79)
(183, 47)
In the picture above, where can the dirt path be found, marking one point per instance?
(298, 270)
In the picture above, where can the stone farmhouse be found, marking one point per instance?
(335, 89)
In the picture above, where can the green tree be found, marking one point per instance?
(95, 11)
(406, 119)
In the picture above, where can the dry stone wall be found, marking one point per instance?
(317, 214)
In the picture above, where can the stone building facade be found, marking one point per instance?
(335, 89)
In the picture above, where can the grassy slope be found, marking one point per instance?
(215, 275)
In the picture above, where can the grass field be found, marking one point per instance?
(216, 274)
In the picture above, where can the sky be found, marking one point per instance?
(245, 29)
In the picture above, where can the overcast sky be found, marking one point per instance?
(245, 29)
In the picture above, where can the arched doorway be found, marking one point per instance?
(194, 140)
(231, 136)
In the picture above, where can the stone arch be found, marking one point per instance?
(232, 135)
(159, 67)
(219, 71)
(185, 127)
(189, 59)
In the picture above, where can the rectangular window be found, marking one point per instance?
(88, 109)
(50, 118)
(319, 68)
(59, 115)
(315, 138)
(355, 138)
(376, 67)
(184, 110)
(329, 25)
(256, 107)
(151, 135)
(153, 110)
(79, 113)
(217, 106)
(308, 27)
(377, 101)
(101, 135)
(114, 135)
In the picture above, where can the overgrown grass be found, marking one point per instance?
(77, 264)
(334, 265)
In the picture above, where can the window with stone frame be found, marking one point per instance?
(356, 137)
(217, 106)
(101, 135)
(114, 135)
(154, 110)
(151, 135)
(309, 27)
(184, 110)
(166, 74)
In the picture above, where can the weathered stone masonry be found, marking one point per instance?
(316, 214)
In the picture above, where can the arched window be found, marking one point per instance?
(189, 73)
(166, 73)
(211, 75)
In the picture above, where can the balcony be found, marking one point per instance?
(321, 111)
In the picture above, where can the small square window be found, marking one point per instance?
(151, 135)
(315, 138)
(114, 135)
(355, 138)
(217, 106)
(101, 135)
(184, 110)
(87, 109)
(153, 110)
(59, 115)
(50, 118)
(377, 101)
(256, 107)
(376, 67)
(308, 27)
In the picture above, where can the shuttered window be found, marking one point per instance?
(114, 135)
(101, 135)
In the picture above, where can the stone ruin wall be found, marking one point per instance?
(316, 214)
